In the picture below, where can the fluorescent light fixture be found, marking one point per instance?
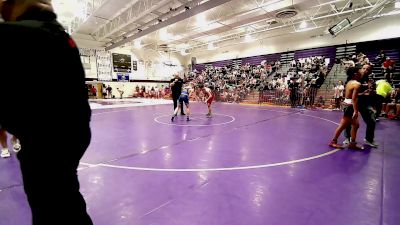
(137, 44)
(201, 20)
(248, 38)
(271, 5)
(327, 3)
(397, 4)
(306, 29)
(392, 13)
(211, 46)
(339, 27)
(164, 35)
(303, 25)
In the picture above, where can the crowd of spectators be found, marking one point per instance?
(390, 104)
(232, 84)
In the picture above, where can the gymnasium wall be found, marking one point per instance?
(382, 28)
(151, 65)
(129, 87)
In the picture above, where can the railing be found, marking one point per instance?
(303, 98)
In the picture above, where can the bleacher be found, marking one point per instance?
(391, 49)
(377, 71)
(326, 90)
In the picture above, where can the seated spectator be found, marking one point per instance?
(394, 105)
(381, 58)
(388, 66)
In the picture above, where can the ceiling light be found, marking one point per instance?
(164, 35)
(201, 20)
(248, 38)
(138, 44)
(211, 46)
(303, 25)
(306, 29)
(397, 4)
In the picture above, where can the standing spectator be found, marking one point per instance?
(121, 92)
(176, 86)
(93, 90)
(48, 166)
(157, 91)
(109, 91)
(338, 95)
(293, 87)
(104, 91)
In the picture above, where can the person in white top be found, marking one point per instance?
(338, 94)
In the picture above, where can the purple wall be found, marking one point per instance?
(222, 63)
(328, 52)
(255, 60)
(199, 67)
(371, 49)
(273, 57)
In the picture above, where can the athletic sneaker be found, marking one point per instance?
(208, 115)
(334, 144)
(346, 141)
(172, 119)
(16, 146)
(187, 119)
(372, 144)
(354, 146)
(5, 153)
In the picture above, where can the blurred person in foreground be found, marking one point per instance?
(54, 134)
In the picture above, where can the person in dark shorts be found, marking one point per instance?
(365, 105)
(176, 84)
(350, 115)
(183, 98)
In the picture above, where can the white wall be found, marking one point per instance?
(153, 66)
(90, 66)
(129, 87)
(150, 64)
(383, 28)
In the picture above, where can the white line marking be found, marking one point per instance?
(159, 207)
(95, 114)
(321, 119)
(213, 169)
(194, 125)
(298, 114)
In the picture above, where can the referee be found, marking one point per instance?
(176, 84)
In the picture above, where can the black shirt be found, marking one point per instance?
(37, 55)
(177, 88)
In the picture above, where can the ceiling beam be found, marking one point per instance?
(182, 16)
(135, 12)
(157, 13)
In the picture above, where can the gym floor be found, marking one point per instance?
(247, 165)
